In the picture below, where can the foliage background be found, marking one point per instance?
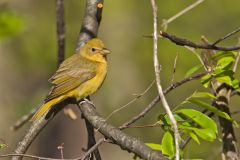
(28, 59)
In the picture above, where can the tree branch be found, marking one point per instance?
(185, 42)
(157, 99)
(60, 30)
(118, 137)
(159, 87)
(31, 134)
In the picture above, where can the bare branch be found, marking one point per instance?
(227, 36)
(185, 42)
(123, 140)
(91, 21)
(93, 148)
(157, 74)
(131, 101)
(60, 30)
(185, 10)
(174, 67)
(157, 99)
(91, 141)
(31, 134)
(23, 120)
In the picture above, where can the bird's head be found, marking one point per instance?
(94, 50)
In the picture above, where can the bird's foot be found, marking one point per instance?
(85, 100)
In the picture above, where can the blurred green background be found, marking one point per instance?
(28, 52)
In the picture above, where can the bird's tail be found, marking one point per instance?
(45, 107)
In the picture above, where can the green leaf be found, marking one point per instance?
(193, 70)
(205, 80)
(3, 146)
(222, 54)
(225, 79)
(154, 146)
(204, 133)
(194, 137)
(199, 118)
(235, 84)
(168, 145)
(210, 108)
(225, 62)
(202, 95)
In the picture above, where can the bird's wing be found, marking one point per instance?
(69, 76)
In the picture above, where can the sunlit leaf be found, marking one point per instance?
(168, 145)
(225, 79)
(225, 62)
(204, 133)
(202, 95)
(3, 146)
(210, 108)
(154, 146)
(194, 137)
(205, 80)
(201, 119)
(222, 54)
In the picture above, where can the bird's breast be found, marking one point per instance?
(91, 86)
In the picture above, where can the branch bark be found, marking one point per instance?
(117, 136)
(185, 42)
(158, 82)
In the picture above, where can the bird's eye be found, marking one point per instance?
(93, 49)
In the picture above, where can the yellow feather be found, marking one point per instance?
(45, 107)
(78, 76)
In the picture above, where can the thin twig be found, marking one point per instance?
(32, 133)
(227, 36)
(157, 74)
(29, 156)
(92, 149)
(236, 62)
(60, 30)
(185, 42)
(157, 99)
(171, 19)
(23, 120)
(174, 67)
(91, 141)
(131, 101)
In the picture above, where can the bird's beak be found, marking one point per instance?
(105, 51)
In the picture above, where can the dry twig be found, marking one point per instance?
(157, 74)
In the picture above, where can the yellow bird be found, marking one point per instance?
(78, 76)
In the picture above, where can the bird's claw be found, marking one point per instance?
(85, 100)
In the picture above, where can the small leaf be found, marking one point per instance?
(201, 119)
(210, 108)
(154, 146)
(222, 54)
(225, 62)
(3, 146)
(204, 133)
(194, 137)
(202, 95)
(205, 80)
(168, 145)
(225, 79)
(235, 84)
(193, 70)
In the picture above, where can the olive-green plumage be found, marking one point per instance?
(78, 76)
